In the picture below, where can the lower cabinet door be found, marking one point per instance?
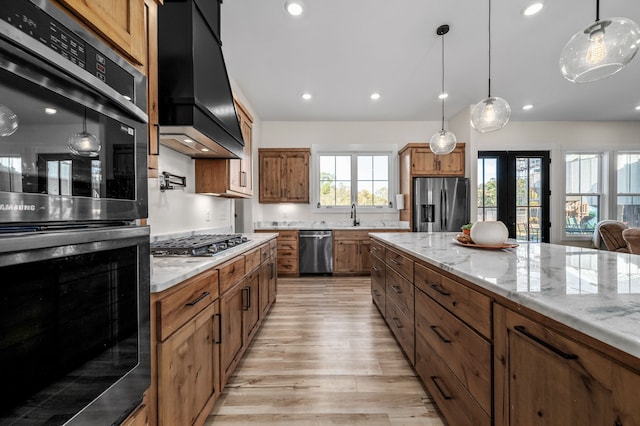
(232, 311)
(188, 366)
(251, 309)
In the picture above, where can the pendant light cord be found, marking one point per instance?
(597, 10)
(442, 92)
(489, 49)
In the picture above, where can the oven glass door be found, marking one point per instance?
(72, 328)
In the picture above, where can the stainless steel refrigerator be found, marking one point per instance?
(440, 204)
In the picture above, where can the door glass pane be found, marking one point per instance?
(487, 189)
(528, 198)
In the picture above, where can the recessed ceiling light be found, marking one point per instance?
(532, 8)
(204, 149)
(306, 96)
(375, 96)
(443, 96)
(294, 7)
(527, 107)
(50, 111)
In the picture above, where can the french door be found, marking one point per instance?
(513, 187)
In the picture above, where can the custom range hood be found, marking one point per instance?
(196, 109)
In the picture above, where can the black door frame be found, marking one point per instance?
(505, 173)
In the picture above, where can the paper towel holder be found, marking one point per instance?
(400, 201)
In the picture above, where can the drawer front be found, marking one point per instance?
(185, 302)
(378, 295)
(466, 353)
(377, 249)
(231, 273)
(455, 402)
(287, 235)
(273, 245)
(350, 235)
(402, 327)
(288, 248)
(400, 263)
(378, 271)
(400, 291)
(467, 304)
(252, 260)
(265, 252)
(287, 266)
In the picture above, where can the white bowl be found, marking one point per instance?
(491, 232)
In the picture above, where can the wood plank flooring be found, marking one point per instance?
(324, 356)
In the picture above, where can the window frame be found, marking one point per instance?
(600, 194)
(354, 151)
(614, 201)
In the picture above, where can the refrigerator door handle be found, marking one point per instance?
(446, 210)
(443, 210)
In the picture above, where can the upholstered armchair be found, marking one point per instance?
(632, 237)
(608, 235)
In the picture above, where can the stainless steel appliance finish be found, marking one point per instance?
(440, 204)
(48, 61)
(74, 321)
(316, 252)
(197, 245)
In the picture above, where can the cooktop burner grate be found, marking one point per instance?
(197, 245)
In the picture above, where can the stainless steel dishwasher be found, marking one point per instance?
(316, 252)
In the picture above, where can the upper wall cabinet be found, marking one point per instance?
(229, 178)
(120, 22)
(284, 175)
(426, 163)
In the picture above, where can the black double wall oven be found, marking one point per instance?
(74, 260)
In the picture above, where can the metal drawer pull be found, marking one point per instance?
(434, 328)
(434, 379)
(538, 340)
(375, 268)
(440, 290)
(396, 322)
(247, 305)
(395, 262)
(198, 299)
(219, 339)
(376, 292)
(396, 289)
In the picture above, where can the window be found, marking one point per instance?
(628, 183)
(11, 174)
(583, 192)
(487, 189)
(362, 178)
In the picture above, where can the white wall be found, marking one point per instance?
(279, 134)
(182, 210)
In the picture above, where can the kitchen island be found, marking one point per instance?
(536, 333)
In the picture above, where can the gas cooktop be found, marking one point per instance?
(197, 245)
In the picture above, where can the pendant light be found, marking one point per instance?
(443, 142)
(600, 50)
(84, 144)
(491, 113)
(8, 121)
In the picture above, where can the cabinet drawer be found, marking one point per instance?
(230, 273)
(467, 304)
(400, 263)
(377, 249)
(467, 354)
(350, 235)
(455, 402)
(378, 271)
(265, 252)
(400, 291)
(185, 301)
(288, 248)
(287, 235)
(402, 327)
(252, 259)
(273, 245)
(378, 295)
(287, 265)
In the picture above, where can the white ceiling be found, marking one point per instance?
(341, 51)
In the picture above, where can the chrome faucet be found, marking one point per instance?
(356, 222)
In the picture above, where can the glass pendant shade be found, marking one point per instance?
(84, 144)
(600, 50)
(442, 142)
(8, 121)
(490, 114)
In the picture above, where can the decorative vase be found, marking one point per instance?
(490, 233)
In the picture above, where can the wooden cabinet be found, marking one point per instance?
(232, 310)
(545, 377)
(416, 159)
(150, 69)
(187, 351)
(283, 175)
(351, 252)
(378, 281)
(286, 252)
(120, 22)
(268, 278)
(224, 177)
(251, 305)
(139, 416)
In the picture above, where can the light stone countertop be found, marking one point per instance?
(169, 271)
(595, 292)
(330, 224)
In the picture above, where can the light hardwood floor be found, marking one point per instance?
(324, 356)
